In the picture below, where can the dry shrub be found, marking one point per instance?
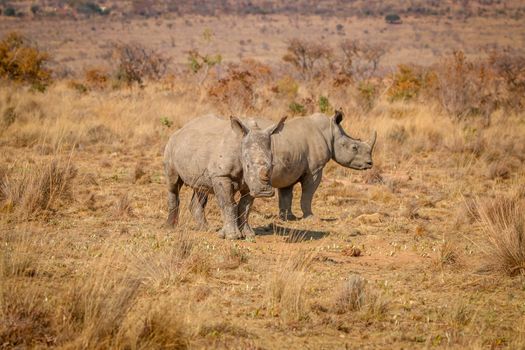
(21, 61)
(232, 257)
(236, 92)
(200, 64)
(19, 256)
(100, 134)
(367, 94)
(460, 314)
(467, 88)
(286, 87)
(123, 207)
(286, 287)
(136, 63)
(398, 134)
(473, 144)
(502, 168)
(96, 78)
(26, 318)
(162, 327)
(503, 224)
(140, 175)
(448, 255)
(373, 176)
(360, 60)
(510, 67)
(309, 58)
(351, 295)
(171, 264)
(407, 83)
(354, 294)
(95, 306)
(37, 189)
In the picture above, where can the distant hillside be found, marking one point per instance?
(461, 9)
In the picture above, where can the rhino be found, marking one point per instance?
(212, 155)
(300, 151)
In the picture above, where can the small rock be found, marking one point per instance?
(351, 251)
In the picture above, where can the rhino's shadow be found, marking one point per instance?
(292, 235)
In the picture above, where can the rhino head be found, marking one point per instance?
(349, 152)
(256, 155)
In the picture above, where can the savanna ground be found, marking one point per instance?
(424, 250)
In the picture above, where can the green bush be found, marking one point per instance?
(393, 18)
(324, 105)
(297, 108)
(368, 92)
(91, 8)
(406, 84)
(10, 12)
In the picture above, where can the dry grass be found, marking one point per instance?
(28, 190)
(503, 224)
(351, 295)
(404, 227)
(286, 287)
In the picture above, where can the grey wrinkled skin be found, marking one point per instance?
(301, 151)
(213, 155)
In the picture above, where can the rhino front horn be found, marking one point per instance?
(373, 139)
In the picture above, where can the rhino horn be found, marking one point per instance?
(373, 140)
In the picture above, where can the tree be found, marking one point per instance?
(306, 56)
(393, 18)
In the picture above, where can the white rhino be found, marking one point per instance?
(213, 155)
(300, 152)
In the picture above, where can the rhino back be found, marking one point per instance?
(204, 148)
(301, 147)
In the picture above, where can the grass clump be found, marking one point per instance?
(503, 224)
(37, 189)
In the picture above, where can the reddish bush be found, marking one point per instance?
(21, 61)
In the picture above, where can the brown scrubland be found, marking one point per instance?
(426, 249)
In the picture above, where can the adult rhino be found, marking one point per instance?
(300, 151)
(213, 155)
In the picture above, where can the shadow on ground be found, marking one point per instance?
(292, 235)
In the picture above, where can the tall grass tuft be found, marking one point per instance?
(503, 223)
(36, 189)
(286, 287)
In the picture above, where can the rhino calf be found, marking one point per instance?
(212, 155)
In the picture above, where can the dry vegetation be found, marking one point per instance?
(427, 249)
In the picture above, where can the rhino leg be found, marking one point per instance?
(173, 201)
(243, 212)
(223, 188)
(285, 203)
(309, 184)
(197, 205)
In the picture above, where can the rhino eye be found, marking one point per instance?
(354, 148)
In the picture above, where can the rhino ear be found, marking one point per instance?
(276, 127)
(238, 126)
(338, 116)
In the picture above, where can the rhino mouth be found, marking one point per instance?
(265, 193)
(365, 166)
